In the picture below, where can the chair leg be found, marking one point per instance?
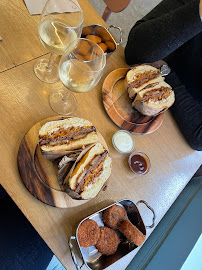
(106, 14)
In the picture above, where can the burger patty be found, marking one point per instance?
(142, 78)
(157, 94)
(62, 135)
(91, 171)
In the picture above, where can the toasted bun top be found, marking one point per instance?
(130, 76)
(65, 123)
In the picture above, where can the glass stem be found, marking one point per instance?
(49, 66)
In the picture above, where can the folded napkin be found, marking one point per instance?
(36, 6)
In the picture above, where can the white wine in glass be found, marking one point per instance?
(80, 69)
(56, 31)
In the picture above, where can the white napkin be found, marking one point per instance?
(0, 38)
(36, 6)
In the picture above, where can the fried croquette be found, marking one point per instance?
(79, 56)
(110, 45)
(94, 38)
(87, 30)
(113, 216)
(83, 47)
(103, 46)
(101, 32)
(108, 241)
(88, 233)
(131, 232)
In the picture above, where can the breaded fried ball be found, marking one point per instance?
(113, 216)
(94, 38)
(79, 56)
(110, 45)
(83, 47)
(88, 233)
(103, 46)
(87, 30)
(108, 241)
(131, 232)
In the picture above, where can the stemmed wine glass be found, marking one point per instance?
(80, 69)
(61, 23)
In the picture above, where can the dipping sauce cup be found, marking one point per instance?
(123, 141)
(139, 163)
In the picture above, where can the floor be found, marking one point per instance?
(128, 17)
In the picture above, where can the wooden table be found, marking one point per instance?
(24, 102)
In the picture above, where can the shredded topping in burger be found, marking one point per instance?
(64, 135)
(156, 95)
(142, 78)
(92, 170)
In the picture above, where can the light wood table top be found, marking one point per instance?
(24, 102)
(19, 31)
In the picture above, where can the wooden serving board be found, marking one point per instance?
(40, 175)
(118, 105)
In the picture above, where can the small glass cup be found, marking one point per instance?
(139, 163)
(123, 141)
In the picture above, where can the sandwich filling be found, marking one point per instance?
(141, 78)
(94, 169)
(61, 135)
(157, 95)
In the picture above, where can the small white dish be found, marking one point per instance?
(123, 141)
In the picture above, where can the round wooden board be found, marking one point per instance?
(118, 105)
(40, 175)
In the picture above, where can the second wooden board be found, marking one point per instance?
(119, 106)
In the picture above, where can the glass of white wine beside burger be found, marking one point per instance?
(61, 23)
(80, 69)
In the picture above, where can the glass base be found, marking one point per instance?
(44, 74)
(62, 102)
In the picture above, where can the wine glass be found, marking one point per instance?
(80, 69)
(61, 23)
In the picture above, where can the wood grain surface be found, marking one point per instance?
(40, 175)
(119, 106)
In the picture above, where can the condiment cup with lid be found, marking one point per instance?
(123, 141)
(139, 163)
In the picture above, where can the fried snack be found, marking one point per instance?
(108, 241)
(79, 56)
(113, 216)
(90, 57)
(88, 233)
(131, 232)
(103, 46)
(102, 32)
(110, 45)
(94, 38)
(87, 30)
(83, 47)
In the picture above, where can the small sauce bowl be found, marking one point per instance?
(123, 141)
(139, 163)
